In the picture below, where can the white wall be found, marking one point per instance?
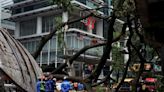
(39, 25)
(99, 27)
(17, 30)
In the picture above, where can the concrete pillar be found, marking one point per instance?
(65, 28)
(64, 20)
(39, 25)
(126, 56)
(64, 17)
(99, 27)
(17, 29)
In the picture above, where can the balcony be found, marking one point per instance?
(75, 40)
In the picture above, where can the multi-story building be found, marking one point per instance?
(36, 18)
(4, 15)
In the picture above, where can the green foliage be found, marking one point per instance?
(118, 58)
(159, 83)
(124, 7)
(60, 33)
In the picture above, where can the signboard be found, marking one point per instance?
(150, 80)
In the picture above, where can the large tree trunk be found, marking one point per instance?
(161, 52)
(151, 15)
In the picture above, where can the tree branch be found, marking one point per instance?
(142, 59)
(45, 38)
(105, 55)
(129, 52)
(74, 57)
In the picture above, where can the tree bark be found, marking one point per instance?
(44, 39)
(129, 52)
(74, 57)
(106, 53)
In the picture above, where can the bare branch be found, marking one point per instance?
(45, 38)
(142, 59)
(105, 55)
(74, 57)
(129, 52)
(122, 33)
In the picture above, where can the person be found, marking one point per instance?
(71, 85)
(80, 87)
(49, 84)
(58, 85)
(65, 86)
(75, 85)
(40, 85)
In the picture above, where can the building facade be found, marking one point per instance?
(4, 15)
(36, 18)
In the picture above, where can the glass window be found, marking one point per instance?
(28, 27)
(28, 8)
(81, 43)
(48, 23)
(44, 57)
(30, 46)
(45, 48)
(86, 41)
(68, 42)
(79, 25)
(52, 57)
(16, 1)
(75, 43)
(53, 43)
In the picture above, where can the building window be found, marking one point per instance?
(16, 1)
(28, 27)
(79, 25)
(53, 43)
(44, 57)
(10, 31)
(28, 8)
(15, 11)
(30, 45)
(48, 23)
